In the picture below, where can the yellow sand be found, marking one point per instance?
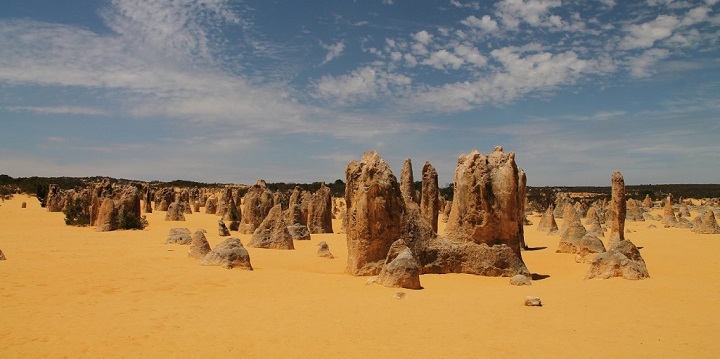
(74, 292)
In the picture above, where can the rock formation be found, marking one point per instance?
(668, 217)
(230, 254)
(707, 224)
(319, 217)
(223, 231)
(299, 232)
(446, 211)
(618, 210)
(147, 199)
(55, 200)
(163, 198)
(575, 239)
(179, 236)
(107, 217)
(634, 211)
(256, 205)
(324, 250)
(374, 213)
(400, 269)
(211, 205)
(623, 258)
(487, 203)
(520, 280)
(175, 212)
(272, 232)
(647, 202)
(547, 221)
(429, 200)
(485, 234)
(199, 245)
(226, 207)
(294, 212)
(407, 183)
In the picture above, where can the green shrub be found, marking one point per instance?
(129, 220)
(76, 213)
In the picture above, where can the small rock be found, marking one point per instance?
(400, 295)
(324, 250)
(520, 280)
(2, 256)
(533, 302)
(23, 205)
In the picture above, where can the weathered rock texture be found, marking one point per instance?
(668, 217)
(107, 217)
(400, 269)
(319, 217)
(634, 211)
(547, 221)
(647, 202)
(374, 213)
(487, 203)
(294, 213)
(520, 280)
(324, 250)
(407, 182)
(227, 208)
(175, 212)
(199, 245)
(299, 232)
(179, 236)
(147, 199)
(223, 230)
(272, 232)
(485, 239)
(618, 210)
(256, 205)
(211, 205)
(55, 200)
(230, 254)
(623, 259)
(430, 194)
(707, 224)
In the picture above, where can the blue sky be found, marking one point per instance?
(291, 91)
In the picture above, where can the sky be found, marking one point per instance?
(233, 91)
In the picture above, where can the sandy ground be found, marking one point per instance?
(74, 292)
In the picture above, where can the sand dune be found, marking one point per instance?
(74, 292)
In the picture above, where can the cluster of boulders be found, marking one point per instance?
(391, 236)
(617, 256)
(229, 253)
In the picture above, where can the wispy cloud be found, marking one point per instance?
(74, 110)
(334, 50)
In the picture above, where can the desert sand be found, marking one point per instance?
(74, 292)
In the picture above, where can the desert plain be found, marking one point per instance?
(73, 292)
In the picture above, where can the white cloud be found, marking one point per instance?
(485, 23)
(470, 55)
(423, 37)
(155, 64)
(523, 71)
(640, 65)
(334, 50)
(366, 83)
(73, 110)
(475, 5)
(442, 59)
(645, 35)
(532, 12)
